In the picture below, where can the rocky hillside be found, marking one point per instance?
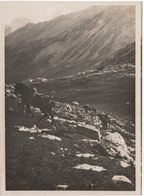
(76, 153)
(69, 44)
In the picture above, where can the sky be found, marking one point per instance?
(39, 11)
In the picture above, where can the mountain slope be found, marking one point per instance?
(68, 44)
(111, 86)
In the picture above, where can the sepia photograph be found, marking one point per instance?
(72, 96)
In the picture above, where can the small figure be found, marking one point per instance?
(104, 119)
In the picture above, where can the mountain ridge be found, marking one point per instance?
(70, 43)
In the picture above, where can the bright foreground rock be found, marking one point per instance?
(62, 186)
(86, 155)
(114, 144)
(33, 129)
(51, 137)
(120, 178)
(90, 167)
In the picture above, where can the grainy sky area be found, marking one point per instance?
(39, 11)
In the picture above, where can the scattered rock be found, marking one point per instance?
(11, 109)
(31, 138)
(89, 141)
(33, 129)
(120, 178)
(75, 103)
(124, 164)
(51, 137)
(62, 186)
(53, 153)
(85, 155)
(46, 130)
(76, 145)
(22, 128)
(36, 110)
(90, 167)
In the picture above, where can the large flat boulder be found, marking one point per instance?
(88, 131)
(77, 127)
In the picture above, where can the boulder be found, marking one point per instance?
(121, 178)
(124, 164)
(89, 167)
(33, 129)
(51, 137)
(75, 103)
(121, 182)
(88, 131)
(115, 145)
(62, 187)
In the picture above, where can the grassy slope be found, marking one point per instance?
(113, 91)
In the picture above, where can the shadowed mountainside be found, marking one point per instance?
(69, 44)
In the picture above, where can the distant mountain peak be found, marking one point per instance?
(16, 24)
